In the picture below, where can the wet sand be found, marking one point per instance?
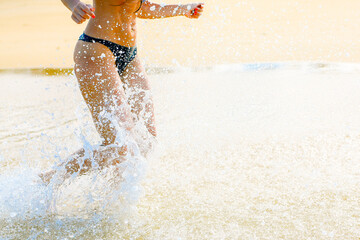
(273, 154)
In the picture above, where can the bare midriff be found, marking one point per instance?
(115, 21)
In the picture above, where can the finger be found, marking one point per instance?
(87, 10)
(196, 12)
(86, 16)
(91, 7)
(77, 11)
(199, 10)
(81, 16)
(73, 17)
(197, 15)
(80, 13)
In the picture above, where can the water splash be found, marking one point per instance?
(22, 194)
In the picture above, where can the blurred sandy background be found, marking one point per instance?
(40, 33)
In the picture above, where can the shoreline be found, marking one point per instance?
(238, 67)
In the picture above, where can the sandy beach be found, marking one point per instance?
(262, 143)
(40, 33)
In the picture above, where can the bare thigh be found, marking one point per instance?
(139, 95)
(102, 89)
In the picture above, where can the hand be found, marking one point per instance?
(194, 10)
(81, 12)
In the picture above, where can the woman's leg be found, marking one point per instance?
(139, 95)
(103, 92)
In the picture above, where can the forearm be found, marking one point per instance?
(153, 10)
(70, 4)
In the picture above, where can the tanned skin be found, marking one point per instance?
(100, 84)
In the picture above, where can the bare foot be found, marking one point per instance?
(105, 157)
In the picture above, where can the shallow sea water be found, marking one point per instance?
(254, 151)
